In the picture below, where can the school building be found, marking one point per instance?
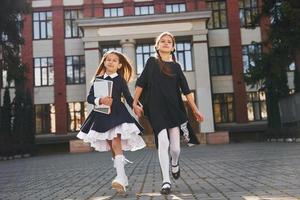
(65, 39)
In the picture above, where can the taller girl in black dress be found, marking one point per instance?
(118, 130)
(166, 111)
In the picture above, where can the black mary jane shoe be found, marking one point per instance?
(165, 190)
(176, 175)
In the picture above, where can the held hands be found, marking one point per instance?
(198, 116)
(106, 101)
(138, 110)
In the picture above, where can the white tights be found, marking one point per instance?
(163, 154)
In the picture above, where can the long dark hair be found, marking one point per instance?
(125, 71)
(164, 67)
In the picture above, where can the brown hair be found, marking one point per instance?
(163, 66)
(125, 71)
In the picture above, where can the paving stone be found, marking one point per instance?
(254, 171)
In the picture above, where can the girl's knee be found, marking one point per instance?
(175, 150)
(163, 140)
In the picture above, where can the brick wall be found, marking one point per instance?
(240, 98)
(59, 68)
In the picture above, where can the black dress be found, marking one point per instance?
(166, 108)
(99, 127)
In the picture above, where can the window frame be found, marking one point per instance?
(110, 11)
(47, 117)
(175, 4)
(103, 48)
(73, 24)
(39, 21)
(253, 102)
(257, 50)
(80, 65)
(144, 55)
(223, 56)
(226, 103)
(3, 79)
(218, 11)
(183, 63)
(82, 112)
(41, 75)
(142, 6)
(242, 12)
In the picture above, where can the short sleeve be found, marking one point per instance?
(182, 81)
(142, 81)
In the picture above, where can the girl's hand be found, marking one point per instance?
(199, 116)
(106, 101)
(138, 110)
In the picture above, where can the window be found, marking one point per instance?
(174, 8)
(248, 10)
(291, 91)
(276, 15)
(4, 76)
(256, 106)
(218, 19)
(144, 10)
(71, 28)
(44, 118)
(113, 12)
(43, 71)
(76, 115)
(143, 52)
(223, 108)
(292, 67)
(75, 69)
(42, 25)
(184, 55)
(249, 53)
(4, 80)
(220, 63)
(106, 48)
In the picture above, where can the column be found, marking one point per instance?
(201, 5)
(27, 52)
(235, 40)
(128, 7)
(60, 91)
(128, 46)
(159, 6)
(92, 59)
(88, 9)
(203, 82)
(191, 5)
(98, 7)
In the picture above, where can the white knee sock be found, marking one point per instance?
(163, 155)
(119, 164)
(126, 161)
(174, 135)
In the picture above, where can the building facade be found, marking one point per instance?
(65, 39)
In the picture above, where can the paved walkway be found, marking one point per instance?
(253, 171)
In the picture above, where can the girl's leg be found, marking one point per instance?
(174, 135)
(163, 155)
(126, 161)
(112, 150)
(121, 180)
(117, 146)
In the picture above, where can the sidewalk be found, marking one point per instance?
(253, 171)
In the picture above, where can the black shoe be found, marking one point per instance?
(165, 190)
(176, 175)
